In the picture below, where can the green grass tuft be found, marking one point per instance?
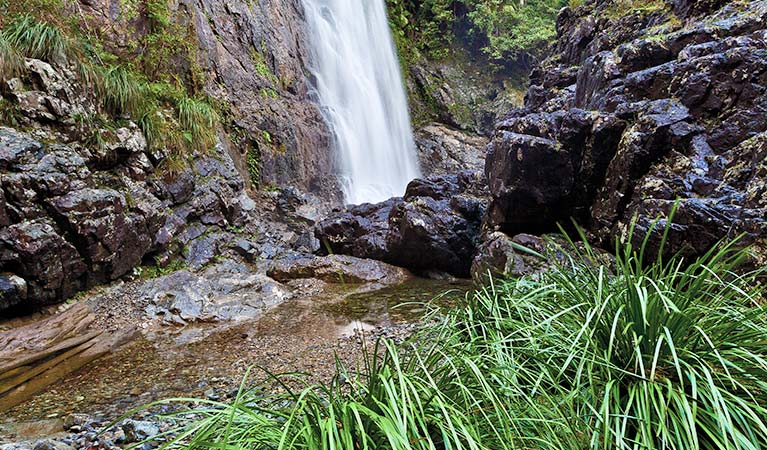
(11, 61)
(122, 91)
(35, 39)
(198, 120)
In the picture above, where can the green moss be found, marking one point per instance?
(262, 68)
(156, 271)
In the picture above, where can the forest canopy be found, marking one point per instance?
(501, 29)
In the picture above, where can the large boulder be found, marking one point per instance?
(634, 112)
(13, 290)
(72, 217)
(442, 150)
(51, 266)
(435, 226)
(336, 269)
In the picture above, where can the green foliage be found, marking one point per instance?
(511, 28)
(148, 272)
(621, 8)
(122, 90)
(43, 10)
(35, 39)
(501, 28)
(126, 91)
(11, 61)
(198, 120)
(9, 113)
(253, 160)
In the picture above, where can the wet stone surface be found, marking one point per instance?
(208, 360)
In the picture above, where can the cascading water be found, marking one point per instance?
(359, 88)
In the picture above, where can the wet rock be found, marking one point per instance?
(139, 430)
(50, 444)
(13, 290)
(693, 7)
(224, 291)
(434, 226)
(51, 266)
(670, 110)
(442, 150)
(246, 249)
(111, 237)
(71, 218)
(501, 256)
(203, 250)
(525, 153)
(17, 148)
(337, 269)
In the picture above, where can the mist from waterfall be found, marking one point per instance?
(360, 91)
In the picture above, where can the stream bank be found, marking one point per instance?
(208, 360)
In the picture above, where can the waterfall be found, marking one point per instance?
(359, 89)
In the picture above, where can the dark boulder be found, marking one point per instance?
(670, 112)
(435, 225)
(51, 266)
(543, 168)
(13, 290)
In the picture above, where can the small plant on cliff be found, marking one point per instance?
(198, 120)
(35, 39)
(122, 91)
(11, 61)
(621, 8)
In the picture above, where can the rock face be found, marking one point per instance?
(254, 49)
(459, 95)
(633, 112)
(442, 150)
(254, 58)
(435, 226)
(74, 214)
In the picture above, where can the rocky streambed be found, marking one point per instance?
(206, 356)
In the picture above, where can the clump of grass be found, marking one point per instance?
(198, 121)
(668, 355)
(35, 39)
(400, 400)
(122, 91)
(11, 61)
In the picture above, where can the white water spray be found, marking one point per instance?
(359, 88)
